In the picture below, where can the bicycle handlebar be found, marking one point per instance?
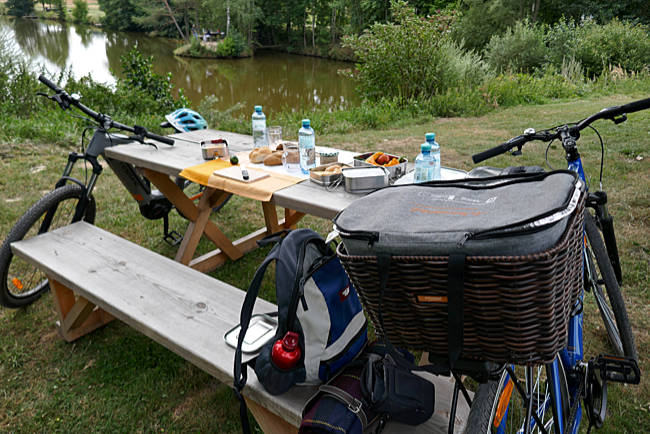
(65, 100)
(607, 113)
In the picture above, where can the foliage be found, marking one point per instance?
(411, 58)
(61, 10)
(20, 8)
(521, 48)
(80, 12)
(232, 45)
(139, 76)
(119, 14)
(615, 43)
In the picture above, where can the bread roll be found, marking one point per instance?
(333, 170)
(258, 155)
(275, 159)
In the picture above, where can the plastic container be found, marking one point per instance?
(425, 163)
(435, 155)
(259, 127)
(307, 147)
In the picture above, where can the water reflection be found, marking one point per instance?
(273, 80)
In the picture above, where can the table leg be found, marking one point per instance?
(292, 217)
(192, 212)
(270, 218)
(195, 229)
(77, 316)
(269, 422)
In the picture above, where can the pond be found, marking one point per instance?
(275, 80)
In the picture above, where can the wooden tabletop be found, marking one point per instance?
(305, 196)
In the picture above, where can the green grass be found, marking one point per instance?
(118, 380)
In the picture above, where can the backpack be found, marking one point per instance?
(316, 300)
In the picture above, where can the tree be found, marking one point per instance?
(20, 8)
(80, 12)
(119, 14)
(61, 12)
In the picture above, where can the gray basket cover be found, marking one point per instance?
(507, 215)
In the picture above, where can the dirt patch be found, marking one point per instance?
(196, 395)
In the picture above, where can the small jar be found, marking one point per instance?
(327, 157)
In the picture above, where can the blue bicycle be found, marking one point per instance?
(556, 396)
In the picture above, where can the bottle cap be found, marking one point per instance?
(425, 147)
(430, 137)
(258, 108)
(306, 123)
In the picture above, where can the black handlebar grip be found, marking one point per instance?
(497, 150)
(636, 106)
(162, 139)
(46, 81)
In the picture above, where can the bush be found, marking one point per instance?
(615, 43)
(232, 45)
(80, 12)
(20, 8)
(520, 49)
(411, 58)
(139, 77)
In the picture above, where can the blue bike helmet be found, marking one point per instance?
(184, 119)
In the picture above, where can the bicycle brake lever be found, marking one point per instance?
(516, 152)
(42, 94)
(620, 119)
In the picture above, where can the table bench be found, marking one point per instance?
(96, 276)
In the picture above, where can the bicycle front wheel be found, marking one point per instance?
(499, 408)
(598, 273)
(20, 282)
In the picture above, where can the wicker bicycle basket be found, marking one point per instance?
(516, 308)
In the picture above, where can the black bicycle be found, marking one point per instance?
(72, 200)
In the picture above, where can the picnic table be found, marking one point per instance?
(179, 307)
(160, 164)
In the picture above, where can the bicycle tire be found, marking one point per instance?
(13, 269)
(623, 329)
(483, 412)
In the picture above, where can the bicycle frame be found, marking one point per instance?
(136, 184)
(569, 358)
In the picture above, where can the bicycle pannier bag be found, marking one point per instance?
(479, 268)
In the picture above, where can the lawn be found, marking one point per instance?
(118, 380)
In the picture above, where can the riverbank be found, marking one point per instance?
(120, 381)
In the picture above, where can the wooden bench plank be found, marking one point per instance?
(184, 310)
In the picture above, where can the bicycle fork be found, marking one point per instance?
(80, 209)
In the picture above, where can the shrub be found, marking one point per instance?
(20, 8)
(139, 76)
(520, 49)
(411, 58)
(516, 89)
(232, 45)
(80, 12)
(615, 43)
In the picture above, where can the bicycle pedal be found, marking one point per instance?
(172, 238)
(618, 369)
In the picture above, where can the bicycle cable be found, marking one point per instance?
(602, 156)
(83, 151)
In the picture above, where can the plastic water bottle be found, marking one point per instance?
(425, 163)
(307, 146)
(259, 127)
(435, 154)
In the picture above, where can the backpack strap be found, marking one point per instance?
(240, 369)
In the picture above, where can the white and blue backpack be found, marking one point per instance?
(315, 299)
